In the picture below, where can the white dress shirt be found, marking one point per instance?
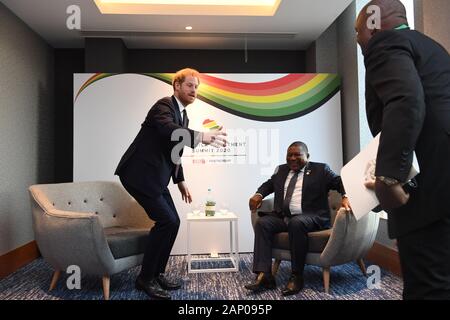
(296, 202)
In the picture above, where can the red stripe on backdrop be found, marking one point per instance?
(277, 86)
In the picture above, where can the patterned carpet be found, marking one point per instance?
(347, 283)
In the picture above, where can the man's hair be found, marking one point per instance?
(301, 145)
(181, 75)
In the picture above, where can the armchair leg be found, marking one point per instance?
(362, 266)
(326, 279)
(105, 281)
(275, 267)
(55, 278)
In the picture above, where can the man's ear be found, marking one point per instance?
(307, 156)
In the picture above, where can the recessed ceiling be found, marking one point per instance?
(190, 7)
(294, 26)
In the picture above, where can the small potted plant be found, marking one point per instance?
(210, 208)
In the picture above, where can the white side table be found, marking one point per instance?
(234, 245)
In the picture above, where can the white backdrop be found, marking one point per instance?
(108, 115)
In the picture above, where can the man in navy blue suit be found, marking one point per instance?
(300, 206)
(145, 171)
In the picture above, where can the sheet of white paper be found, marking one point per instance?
(359, 170)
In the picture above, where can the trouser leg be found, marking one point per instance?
(298, 228)
(265, 228)
(162, 235)
(425, 261)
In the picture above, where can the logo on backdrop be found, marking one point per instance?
(210, 125)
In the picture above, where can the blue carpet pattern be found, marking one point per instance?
(346, 283)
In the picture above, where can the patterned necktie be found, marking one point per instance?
(289, 192)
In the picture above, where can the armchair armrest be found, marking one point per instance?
(69, 214)
(350, 239)
(266, 206)
(254, 217)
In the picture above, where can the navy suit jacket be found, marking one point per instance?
(408, 100)
(147, 164)
(318, 180)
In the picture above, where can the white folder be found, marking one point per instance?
(359, 170)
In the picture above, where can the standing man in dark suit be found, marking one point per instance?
(300, 206)
(146, 168)
(408, 100)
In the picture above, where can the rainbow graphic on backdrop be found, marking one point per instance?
(288, 97)
(210, 124)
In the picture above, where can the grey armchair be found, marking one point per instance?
(97, 226)
(348, 240)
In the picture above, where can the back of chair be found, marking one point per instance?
(106, 199)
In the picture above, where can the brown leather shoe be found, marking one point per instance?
(294, 285)
(264, 281)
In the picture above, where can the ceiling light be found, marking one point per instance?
(190, 7)
(189, 28)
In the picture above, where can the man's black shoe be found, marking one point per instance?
(166, 284)
(263, 281)
(152, 288)
(294, 285)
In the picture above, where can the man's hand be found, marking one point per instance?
(346, 204)
(370, 185)
(255, 202)
(215, 138)
(185, 194)
(390, 197)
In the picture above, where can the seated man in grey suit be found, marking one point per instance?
(300, 206)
